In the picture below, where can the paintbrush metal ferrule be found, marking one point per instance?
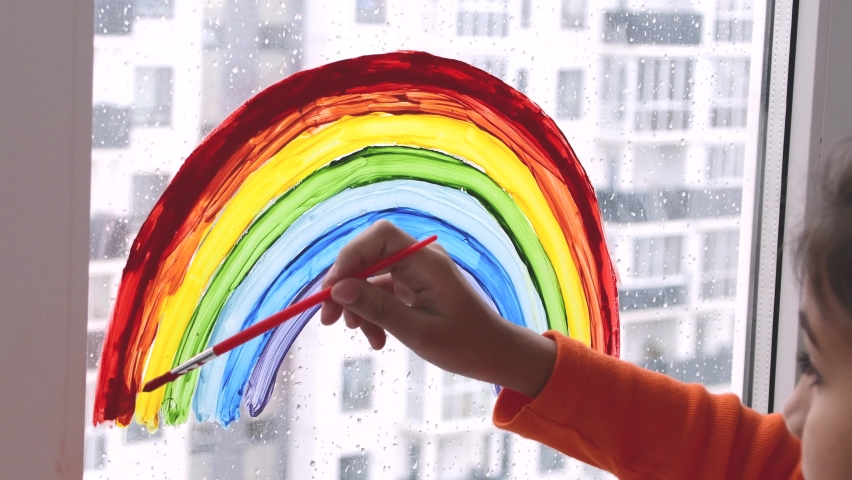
(195, 362)
(182, 369)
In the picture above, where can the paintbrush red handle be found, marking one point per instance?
(315, 299)
(273, 321)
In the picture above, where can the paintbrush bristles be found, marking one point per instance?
(160, 381)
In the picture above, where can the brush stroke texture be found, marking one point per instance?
(375, 164)
(261, 383)
(396, 83)
(465, 226)
(313, 151)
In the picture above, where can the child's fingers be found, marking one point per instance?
(375, 335)
(353, 320)
(375, 305)
(384, 281)
(375, 243)
(330, 312)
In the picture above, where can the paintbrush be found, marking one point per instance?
(275, 320)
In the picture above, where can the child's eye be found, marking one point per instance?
(807, 367)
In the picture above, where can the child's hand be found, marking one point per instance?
(427, 304)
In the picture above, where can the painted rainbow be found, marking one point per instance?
(256, 215)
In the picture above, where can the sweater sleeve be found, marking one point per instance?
(640, 424)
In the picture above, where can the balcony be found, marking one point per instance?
(659, 28)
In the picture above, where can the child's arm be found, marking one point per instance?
(640, 424)
(632, 422)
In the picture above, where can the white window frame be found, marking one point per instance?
(44, 214)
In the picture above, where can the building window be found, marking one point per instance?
(416, 387)
(719, 272)
(550, 460)
(573, 13)
(526, 13)
(136, 433)
(278, 37)
(656, 257)
(146, 189)
(354, 467)
(522, 80)
(734, 21)
(725, 163)
(413, 460)
(613, 91)
(480, 19)
(94, 346)
(113, 18)
(463, 398)
(154, 8)
(494, 65)
(357, 383)
(568, 94)
(99, 297)
(94, 451)
(108, 237)
(110, 126)
(665, 93)
(370, 11)
(153, 98)
(211, 35)
(730, 93)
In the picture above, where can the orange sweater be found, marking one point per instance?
(640, 424)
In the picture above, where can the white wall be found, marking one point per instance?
(45, 145)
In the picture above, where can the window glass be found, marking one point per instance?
(720, 252)
(573, 13)
(99, 296)
(521, 80)
(354, 467)
(462, 398)
(370, 11)
(526, 13)
(550, 460)
(654, 97)
(357, 384)
(664, 96)
(569, 92)
(730, 106)
(480, 18)
(725, 163)
(94, 345)
(734, 22)
(94, 452)
(153, 8)
(153, 100)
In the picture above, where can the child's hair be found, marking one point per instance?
(824, 253)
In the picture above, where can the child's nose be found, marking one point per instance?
(796, 409)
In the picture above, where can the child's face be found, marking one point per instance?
(820, 410)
